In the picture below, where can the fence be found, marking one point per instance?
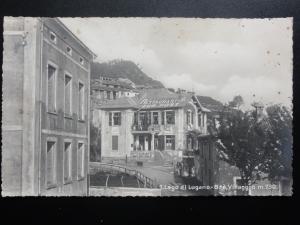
(148, 182)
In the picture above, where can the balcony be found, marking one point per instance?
(140, 127)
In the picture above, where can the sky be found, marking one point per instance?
(220, 58)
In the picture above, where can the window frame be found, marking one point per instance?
(66, 73)
(55, 37)
(69, 178)
(54, 182)
(113, 118)
(81, 117)
(153, 117)
(81, 176)
(81, 60)
(69, 50)
(112, 138)
(170, 138)
(174, 120)
(52, 64)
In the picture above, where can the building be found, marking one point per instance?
(45, 120)
(107, 88)
(157, 120)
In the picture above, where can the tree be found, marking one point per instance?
(95, 143)
(280, 143)
(236, 102)
(242, 143)
(258, 144)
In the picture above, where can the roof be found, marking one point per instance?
(119, 103)
(75, 37)
(150, 99)
(158, 98)
(162, 98)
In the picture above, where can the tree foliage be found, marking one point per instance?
(257, 144)
(236, 102)
(95, 143)
(280, 142)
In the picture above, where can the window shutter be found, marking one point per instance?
(110, 119)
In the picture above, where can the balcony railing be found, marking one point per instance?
(140, 127)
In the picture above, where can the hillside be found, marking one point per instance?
(123, 69)
(210, 103)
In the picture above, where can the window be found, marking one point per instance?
(53, 37)
(155, 117)
(189, 117)
(51, 163)
(68, 95)
(81, 101)
(192, 117)
(135, 118)
(117, 118)
(67, 162)
(114, 95)
(163, 117)
(199, 120)
(51, 88)
(170, 117)
(108, 94)
(114, 118)
(69, 50)
(114, 142)
(148, 115)
(81, 61)
(170, 142)
(80, 160)
(110, 119)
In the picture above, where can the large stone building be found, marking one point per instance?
(45, 120)
(157, 120)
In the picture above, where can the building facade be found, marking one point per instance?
(107, 88)
(157, 120)
(45, 120)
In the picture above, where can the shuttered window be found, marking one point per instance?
(81, 102)
(110, 119)
(162, 117)
(67, 161)
(114, 142)
(51, 163)
(80, 160)
(68, 95)
(51, 88)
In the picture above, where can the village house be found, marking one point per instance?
(107, 88)
(157, 120)
(45, 120)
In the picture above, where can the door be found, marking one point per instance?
(161, 142)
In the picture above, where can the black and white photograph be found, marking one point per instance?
(132, 106)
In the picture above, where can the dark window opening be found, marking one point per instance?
(170, 117)
(114, 142)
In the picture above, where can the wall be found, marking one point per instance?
(59, 125)
(19, 165)
(26, 123)
(125, 137)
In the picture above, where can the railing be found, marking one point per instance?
(140, 127)
(148, 182)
